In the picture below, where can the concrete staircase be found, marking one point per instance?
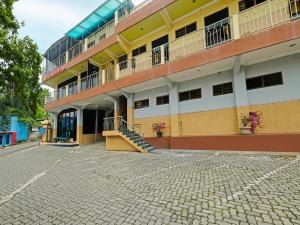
(137, 140)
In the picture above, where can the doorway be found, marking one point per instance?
(67, 124)
(156, 50)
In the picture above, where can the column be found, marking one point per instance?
(174, 118)
(116, 17)
(78, 83)
(55, 93)
(79, 125)
(240, 90)
(130, 106)
(54, 121)
(117, 70)
(236, 26)
(96, 125)
(116, 114)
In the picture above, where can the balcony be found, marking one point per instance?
(260, 17)
(82, 46)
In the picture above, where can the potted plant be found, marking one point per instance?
(245, 129)
(157, 128)
(250, 122)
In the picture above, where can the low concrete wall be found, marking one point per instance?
(264, 142)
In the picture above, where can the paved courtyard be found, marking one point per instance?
(87, 185)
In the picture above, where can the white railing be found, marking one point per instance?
(119, 124)
(109, 74)
(75, 50)
(61, 92)
(50, 97)
(102, 33)
(264, 15)
(73, 88)
(260, 17)
(90, 81)
(96, 37)
(209, 36)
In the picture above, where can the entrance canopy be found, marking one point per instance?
(99, 17)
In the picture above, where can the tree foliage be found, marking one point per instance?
(20, 62)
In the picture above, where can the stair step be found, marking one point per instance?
(150, 149)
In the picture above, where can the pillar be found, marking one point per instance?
(117, 71)
(130, 106)
(78, 83)
(240, 90)
(116, 114)
(54, 121)
(96, 125)
(173, 104)
(79, 134)
(236, 26)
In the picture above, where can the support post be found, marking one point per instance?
(236, 26)
(79, 125)
(240, 90)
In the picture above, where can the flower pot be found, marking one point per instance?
(245, 130)
(159, 134)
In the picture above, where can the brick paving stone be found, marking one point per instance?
(89, 185)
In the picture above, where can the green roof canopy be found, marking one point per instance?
(99, 17)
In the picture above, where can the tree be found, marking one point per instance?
(19, 69)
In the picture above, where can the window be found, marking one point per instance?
(189, 95)
(264, 81)
(162, 100)
(141, 104)
(139, 51)
(222, 89)
(186, 30)
(123, 62)
(246, 4)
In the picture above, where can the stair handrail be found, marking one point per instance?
(133, 127)
(109, 124)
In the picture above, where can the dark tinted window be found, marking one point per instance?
(246, 4)
(186, 30)
(141, 104)
(264, 81)
(188, 95)
(161, 100)
(222, 89)
(139, 51)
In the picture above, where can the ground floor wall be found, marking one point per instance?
(213, 121)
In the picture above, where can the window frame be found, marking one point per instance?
(189, 93)
(185, 30)
(222, 88)
(142, 105)
(165, 99)
(263, 85)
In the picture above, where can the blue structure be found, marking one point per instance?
(20, 128)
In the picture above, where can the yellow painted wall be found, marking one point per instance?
(283, 117)
(90, 138)
(197, 15)
(146, 125)
(114, 142)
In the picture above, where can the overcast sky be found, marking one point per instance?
(48, 20)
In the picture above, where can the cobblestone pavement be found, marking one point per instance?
(87, 185)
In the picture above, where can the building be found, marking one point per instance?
(195, 65)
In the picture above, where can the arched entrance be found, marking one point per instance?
(67, 124)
